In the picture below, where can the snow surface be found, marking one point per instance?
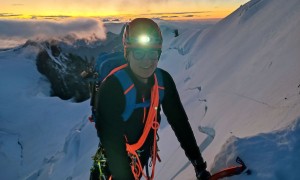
(239, 81)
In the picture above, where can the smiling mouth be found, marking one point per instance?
(147, 67)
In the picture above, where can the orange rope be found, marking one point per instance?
(151, 123)
(144, 117)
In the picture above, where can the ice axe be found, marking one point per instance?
(231, 171)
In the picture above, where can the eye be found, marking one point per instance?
(153, 55)
(138, 54)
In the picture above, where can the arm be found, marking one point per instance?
(109, 125)
(178, 119)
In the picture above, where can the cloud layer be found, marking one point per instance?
(22, 30)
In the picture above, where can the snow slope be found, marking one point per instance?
(239, 82)
(37, 131)
(241, 78)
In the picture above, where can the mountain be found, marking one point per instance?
(238, 81)
(244, 72)
(62, 62)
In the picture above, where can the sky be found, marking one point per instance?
(165, 9)
(39, 19)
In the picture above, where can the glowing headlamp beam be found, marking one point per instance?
(144, 39)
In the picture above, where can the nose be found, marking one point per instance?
(147, 61)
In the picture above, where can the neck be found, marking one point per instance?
(143, 80)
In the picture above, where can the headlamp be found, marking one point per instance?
(144, 39)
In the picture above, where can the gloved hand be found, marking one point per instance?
(200, 169)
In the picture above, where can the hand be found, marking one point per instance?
(203, 175)
(200, 169)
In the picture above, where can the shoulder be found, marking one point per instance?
(110, 85)
(166, 77)
(164, 74)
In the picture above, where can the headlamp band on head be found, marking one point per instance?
(143, 41)
(142, 33)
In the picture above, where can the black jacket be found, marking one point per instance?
(112, 129)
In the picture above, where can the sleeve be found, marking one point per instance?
(178, 119)
(110, 127)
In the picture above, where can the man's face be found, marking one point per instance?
(143, 62)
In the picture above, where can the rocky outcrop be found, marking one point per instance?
(63, 72)
(63, 63)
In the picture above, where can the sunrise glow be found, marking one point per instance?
(171, 9)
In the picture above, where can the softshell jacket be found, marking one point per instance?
(112, 129)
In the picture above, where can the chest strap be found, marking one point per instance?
(130, 92)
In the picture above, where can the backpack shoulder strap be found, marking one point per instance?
(129, 92)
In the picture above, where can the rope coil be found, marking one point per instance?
(151, 123)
